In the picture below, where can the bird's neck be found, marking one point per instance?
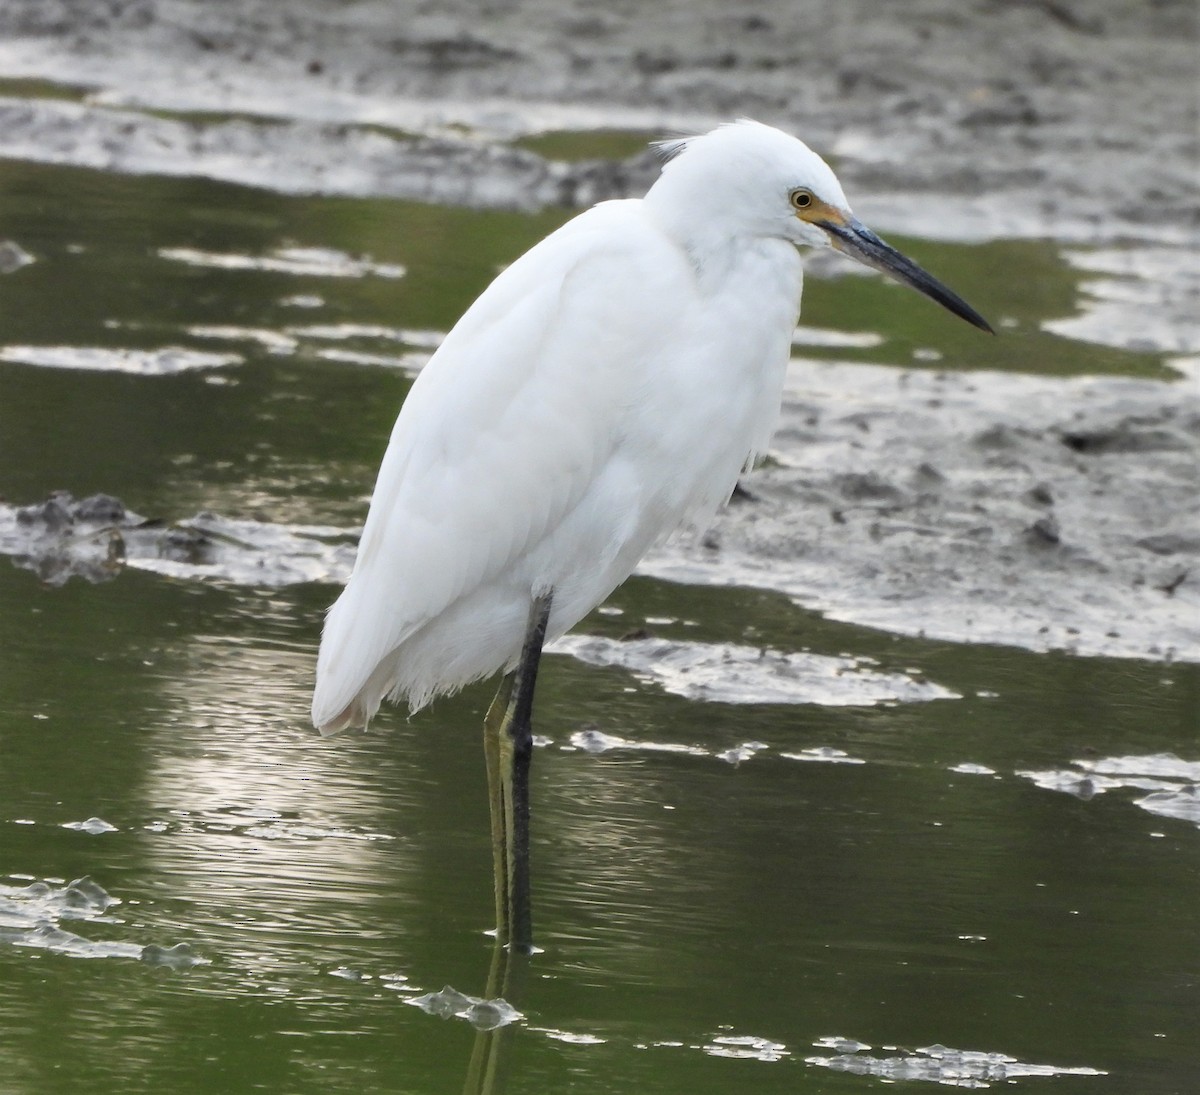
(748, 265)
(719, 256)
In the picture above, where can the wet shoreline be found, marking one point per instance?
(941, 505)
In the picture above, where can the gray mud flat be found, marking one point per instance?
(978, 507)
(95, 538)
(1004, 118)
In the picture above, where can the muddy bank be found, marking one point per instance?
(1068, 121)
(1064, 119)
(1045, 513)
(95, 538)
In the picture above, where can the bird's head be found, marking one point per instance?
(755, 180)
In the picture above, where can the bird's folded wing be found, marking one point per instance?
(502, 433)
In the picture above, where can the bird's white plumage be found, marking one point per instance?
(605, 388)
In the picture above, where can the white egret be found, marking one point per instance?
(607, 387)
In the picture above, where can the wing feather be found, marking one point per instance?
(499, 438)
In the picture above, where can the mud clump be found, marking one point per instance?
(62, 538)
(95, 538)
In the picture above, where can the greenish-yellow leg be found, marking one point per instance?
(508, 748)
(493, 732)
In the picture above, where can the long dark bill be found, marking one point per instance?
(856, 240)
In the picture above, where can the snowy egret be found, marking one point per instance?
(607, 387)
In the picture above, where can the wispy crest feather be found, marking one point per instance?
(670, 147)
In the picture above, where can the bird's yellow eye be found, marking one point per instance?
(801, 199)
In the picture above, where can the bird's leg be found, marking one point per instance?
(520, 731)
(508, 744)
(493, 732)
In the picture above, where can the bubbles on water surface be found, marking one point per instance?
(481, 1014)
(570, 1038)
(1174, 784)
(94, 826)
(13, 256)
(347, 974)
(936, 1064)
(841, 1045)
(969, 768)
(745, 1047)
(742, 752)
(179, 957)
(1165, 765)
(1183, 804)
(81, 899)
(30, 917)
(824, 754)
(593, 740)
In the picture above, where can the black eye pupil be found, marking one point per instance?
(801, 200)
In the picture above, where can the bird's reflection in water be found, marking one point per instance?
(507, 979)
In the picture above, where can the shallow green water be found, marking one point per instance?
(680, 899)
